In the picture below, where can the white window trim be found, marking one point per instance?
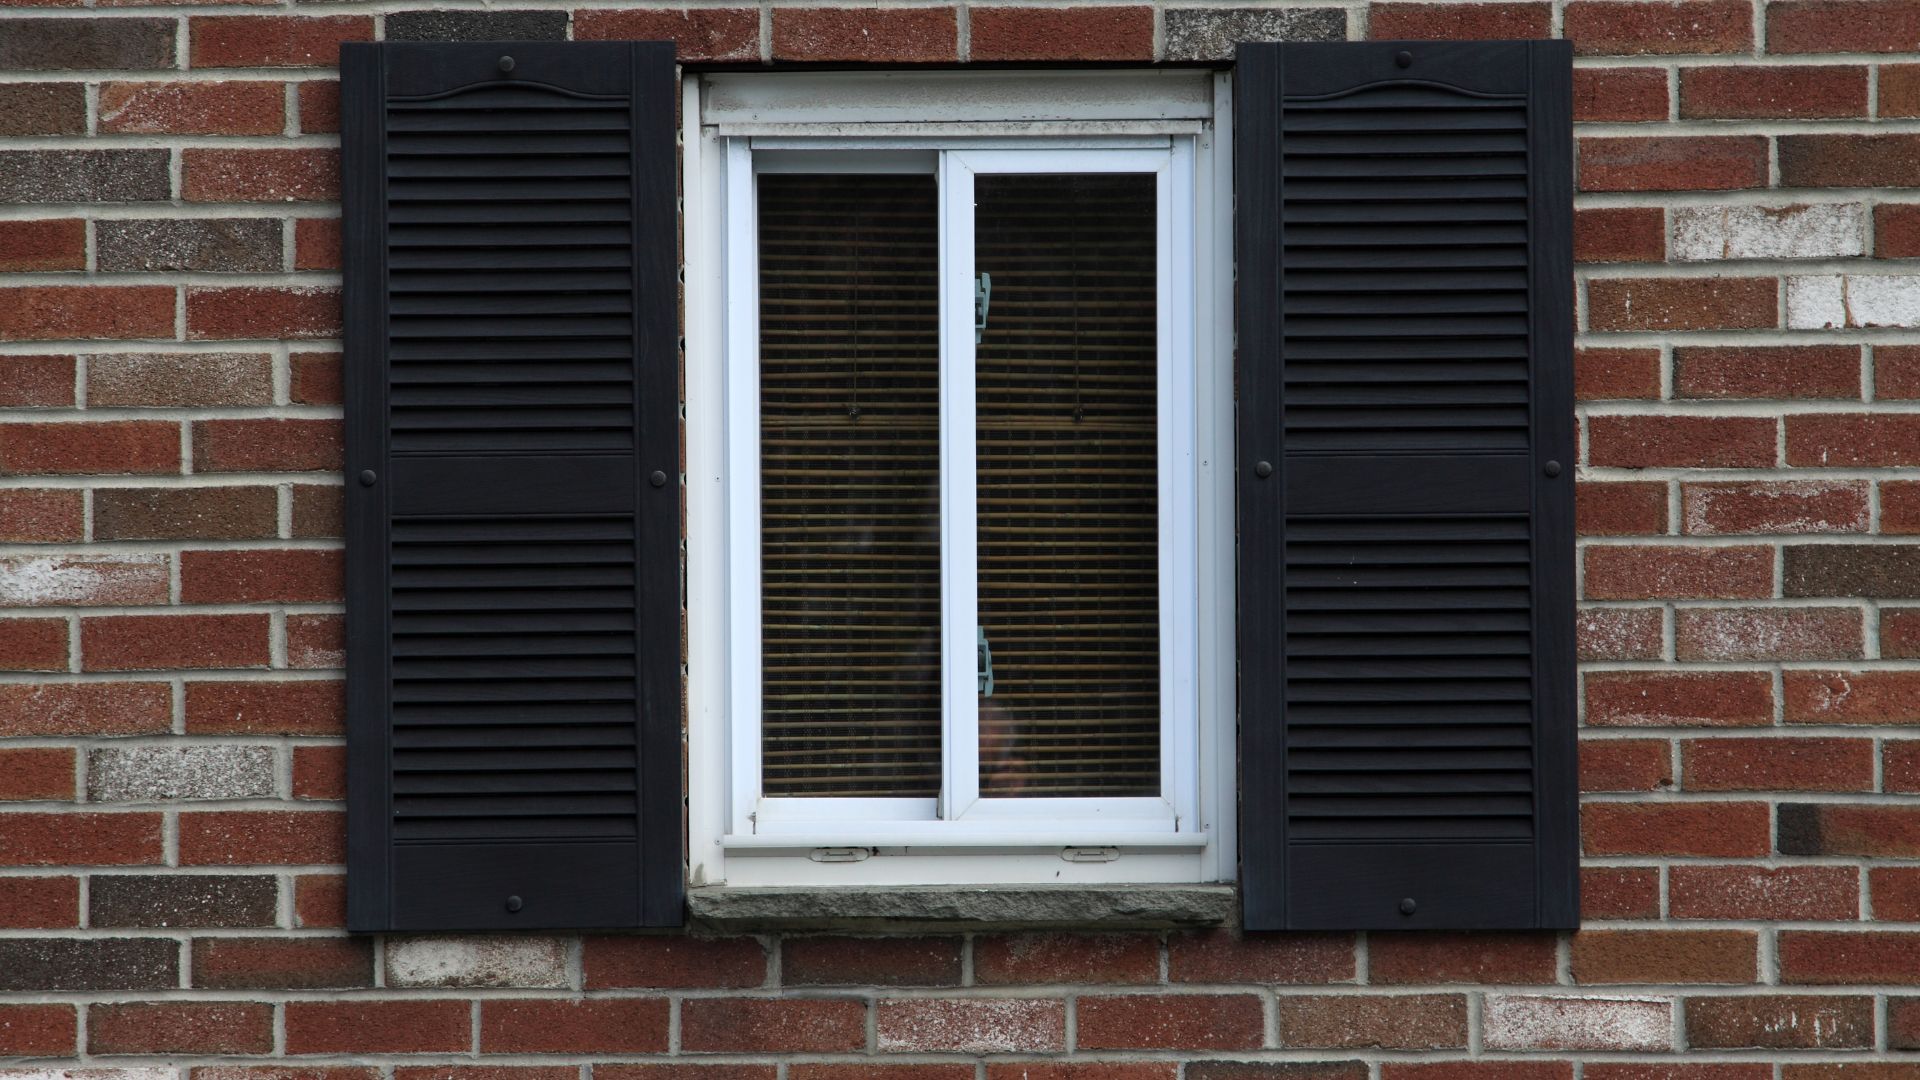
(1130, 117)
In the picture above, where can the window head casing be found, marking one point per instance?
(1052, 484)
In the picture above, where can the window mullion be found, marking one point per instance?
(959, 534)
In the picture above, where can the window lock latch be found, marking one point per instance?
(982, 296)
(986, 664)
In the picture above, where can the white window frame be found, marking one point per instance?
(1158, 122)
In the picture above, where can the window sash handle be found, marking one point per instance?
(986, 664)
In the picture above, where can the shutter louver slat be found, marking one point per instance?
(513, 702)
(1405, 344)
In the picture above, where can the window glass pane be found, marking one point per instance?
(1066, 442)
(850, 489)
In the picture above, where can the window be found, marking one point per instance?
(959, 462)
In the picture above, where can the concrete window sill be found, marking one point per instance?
(964, 907)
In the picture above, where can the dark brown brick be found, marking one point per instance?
(209, 513)
(1849, 160)
(887, 961)
(180, 1027)
(1780, 1022)
(867, 35)
(1392, 1022)
(1867, 570)
(89, 964)
(85, 44)
(179, 380)
(196, 900)
(476, 26)
(264, 963)
(44, 108)
(218, 245)
(83, 176)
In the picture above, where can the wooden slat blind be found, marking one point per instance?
(850, 485)
(1066, 439)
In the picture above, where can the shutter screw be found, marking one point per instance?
(658, 479)
(506, 65)
(1407, 906)
(1404, 59)
(514, 903)
(1263, 469)
(367, 477)
(1552, 468)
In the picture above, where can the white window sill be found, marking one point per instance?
(964, 907)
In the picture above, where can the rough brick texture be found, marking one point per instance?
(1747, 368)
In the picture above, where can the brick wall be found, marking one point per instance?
(170, 893)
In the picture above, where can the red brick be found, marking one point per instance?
(259, 175)
(154, 642)
(1220, 956)
(320, 772)
(1104, 1070)
(116, 708)
(377, 1027)
(316, 244)
(978, 1026)
(39, 515)
(1625, 765)
(1683, 303)
(57, 312)
(697, 34)
(1619, 633)
(1896, 368)
(1686, 442)
(296, 576)
(262, 837)
(1789, 93)
(1603, 374)
(1900, 767)
(1768, 634)
(1810, 26)
(319, 102)
(1411, 959)
(1014, 959)
(1842, 829)
(1665, 956)
(1852, 440)
(888, 1071)
(1458, 22)
(315, 378)
(36, 381)
(319, 511)
(1679, 699)
(1619, 572)
(273, 40)
(1276, 1070)
(320, 900)
(126, 446)
(316, 641)
(673, 962)
(267, 446)
(1903, 1023)
(867, 35)
(767, 1025)
(1621, 28)
(1760, 892)
(1896, 892)
(70, 839)
(1777, 764)
(885, 961)
(302, 707)
(39, 1030)
(304, 311)
(1612, 1070)
(1054, 33)
(53, 244)
(1619, 95)
(1852, 697)
(285, 1072)
(685, 1071)
(1841, 958)
(1620, 508)
(1619, 892)
(1774, 506)
(1716, 830)
(1620, 234)
(487, 1072)
(1899, 629)
(1848, 160)
(39, 903)
(1767, 371)
(1780, 1022)
(1672, 162)
(265, 963)
(33, 644)
(1899, 92)
(37, 773)
(1170, 1022)
(180, 1027)
(1397, 1022)
(193, 108)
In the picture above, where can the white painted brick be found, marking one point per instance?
(158, 773)
(1836, 301)
(477, 961)
(1513, 1022)
(1819, 231)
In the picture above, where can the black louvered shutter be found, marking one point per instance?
(513, 622)
(1405, 470)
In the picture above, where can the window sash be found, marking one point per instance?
(960, 812)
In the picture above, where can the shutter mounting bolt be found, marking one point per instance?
(1404, 59)
(1407, 906)
(367, 477)
(1552, 468)
(506, 64)
(1263, 469)
(514, 903)
(658, 479)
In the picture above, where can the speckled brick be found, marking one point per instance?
(474, 960)
(166, 773)
(78, 176)
(179, 380)
(87, 44)
(477, 26)
(213, 245)
(993, 1026)
(1213, 33)
(1515, 1022)
(89, 964)
(182, 900)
